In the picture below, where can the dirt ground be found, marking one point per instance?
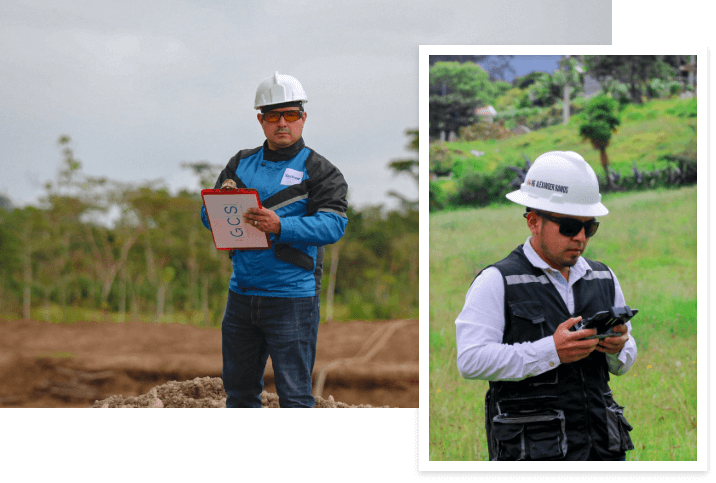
(77, 364)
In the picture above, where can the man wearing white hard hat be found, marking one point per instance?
(273, 306)
(549, 397)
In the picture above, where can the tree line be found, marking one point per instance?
(458, 84)
(157, 260)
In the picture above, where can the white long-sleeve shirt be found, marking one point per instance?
(481, 325)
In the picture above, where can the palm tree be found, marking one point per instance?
(601, 122)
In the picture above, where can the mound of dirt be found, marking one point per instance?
(200, 392)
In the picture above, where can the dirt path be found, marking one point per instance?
(74, 365)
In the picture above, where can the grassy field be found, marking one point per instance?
(649, 241)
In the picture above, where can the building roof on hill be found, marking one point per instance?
(485, 111)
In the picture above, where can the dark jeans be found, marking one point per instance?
(255, 327)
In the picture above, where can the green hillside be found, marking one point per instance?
(647, 132)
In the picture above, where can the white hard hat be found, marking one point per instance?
(279, 89)
(561, 182)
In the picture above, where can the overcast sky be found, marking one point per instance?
(142, 86)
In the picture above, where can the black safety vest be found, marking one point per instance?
(566, 413)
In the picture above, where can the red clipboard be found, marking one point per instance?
(225, 210)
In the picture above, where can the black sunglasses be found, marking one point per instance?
(289, 116)
(571, 226)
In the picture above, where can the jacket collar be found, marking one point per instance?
(283, 154)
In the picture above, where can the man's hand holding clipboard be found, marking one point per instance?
(265, 220)
(237, 220)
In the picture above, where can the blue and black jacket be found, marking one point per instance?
(308, 193)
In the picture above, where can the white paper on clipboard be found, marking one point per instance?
(225, 211)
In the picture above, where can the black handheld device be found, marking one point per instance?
(604, 321)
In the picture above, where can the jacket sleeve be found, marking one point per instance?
(204, 217)
(325, 220)
(479, 331)
(319, 229)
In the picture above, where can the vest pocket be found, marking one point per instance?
(538, 435)
(618, 430)
(530, 317)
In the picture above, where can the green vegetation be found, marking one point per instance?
(650, 131)
(655, 262)
(648, 136)
(63, 262)
(601, 120)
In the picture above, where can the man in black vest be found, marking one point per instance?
(549, 397)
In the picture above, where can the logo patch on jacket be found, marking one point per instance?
(291, 176)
